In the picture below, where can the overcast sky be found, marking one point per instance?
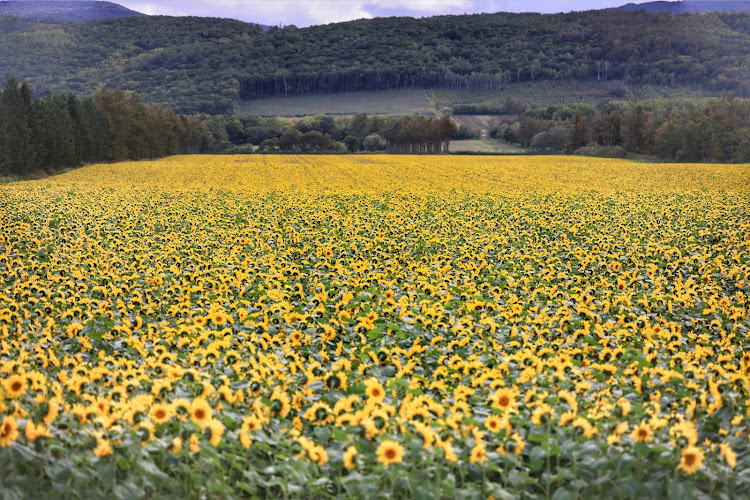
(309, 12)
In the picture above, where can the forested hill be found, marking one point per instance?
(690, 6)
(64, 10)
(209, 65)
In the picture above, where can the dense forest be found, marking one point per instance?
(209, 65)
(60, 130)
(715, 130)
(690, 6)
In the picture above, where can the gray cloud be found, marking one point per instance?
(309, 12)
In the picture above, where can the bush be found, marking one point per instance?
(465, 132)
(555, 139)
(602, 151)
(373, 142)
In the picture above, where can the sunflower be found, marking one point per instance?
(245, 438)
(642, 433)
(52, 411)
(349, 458)
(478, 453)
(177, 445)
(390, 452)
(251, 423)
(726, 451)
(374, 390)
(587, 430)
(8, 431)
(15, 386)
(217, 430)
(161, 413)
(218, 318)
(34, 431)
(195, 443)
(691, 459)
(200, 412)
(103, 448)
(493, 423)
(503, 399)
(541, 414)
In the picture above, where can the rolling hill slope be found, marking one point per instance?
(692, 7)
(65, 10)
(211, 65)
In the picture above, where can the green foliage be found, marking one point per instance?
(60, 130)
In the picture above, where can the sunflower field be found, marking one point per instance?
(376, 327)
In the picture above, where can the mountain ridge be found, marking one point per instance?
(65, 10)
(689, 6)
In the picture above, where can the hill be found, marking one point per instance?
(65, 10)
(211, 65)
(690, 7)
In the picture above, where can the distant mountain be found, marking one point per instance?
(64, 10)
(692, 7)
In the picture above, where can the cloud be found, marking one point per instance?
(309, 12)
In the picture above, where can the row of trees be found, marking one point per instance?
(415, 134)
(713, 130)
(61, 130)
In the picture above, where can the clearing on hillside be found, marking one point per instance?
(383, 102)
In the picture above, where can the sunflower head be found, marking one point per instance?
(8, 431)
(390, 452)
(691, 459)
(200, 412)
(15, 386)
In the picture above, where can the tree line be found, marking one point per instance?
(60, 130)
(704, 130)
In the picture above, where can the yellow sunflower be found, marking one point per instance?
(103, 448)
(374, 390)
(8, 431)
(691, 459)
(390, 452)
(200, 412)
(478, 453)
(15, 386)
(34, 431)
(503, 399)
(161, 413)
(642, 433)
(349, 458)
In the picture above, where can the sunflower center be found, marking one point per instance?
(390, 453)
(160, 413)
(689, 459)
(16, 386)
(503, 400)
(642, 433)
(376, 392)
(200, 413)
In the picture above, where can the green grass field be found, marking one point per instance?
(485, 146)
(433, 101)
(384, 102)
